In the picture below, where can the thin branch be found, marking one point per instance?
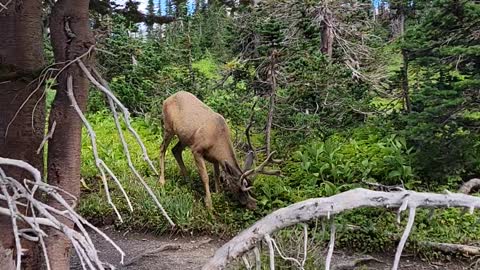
(403, 240)
(258, 261)
(43, 77)
(305, 243)
(123, 109)
(13, 215)
(125, 146)
(246, 262)
(271, 251)
(295, 261)
(99, 163)
(4, 6)
(47, 137)
(331, 246)
(80, 240)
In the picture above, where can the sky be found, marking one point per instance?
(143, 4)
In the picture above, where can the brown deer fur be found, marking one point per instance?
(206, 133)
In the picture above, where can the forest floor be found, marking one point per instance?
(147, 251)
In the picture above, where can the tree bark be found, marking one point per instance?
(71, 38)
(21, 56)
(327, 34)
(405, 89)
(272, 74)
(6, 259)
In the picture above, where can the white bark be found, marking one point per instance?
(322, 207)
(468, 186)
(16, 194)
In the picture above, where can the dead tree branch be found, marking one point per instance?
(453, 248)
(47, 137)
(324, 207)
(4, 6)
(331, 246)
(15, 193)
(113, 102)
(99, 163)
(470, 185)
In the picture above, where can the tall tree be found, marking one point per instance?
(22, 108)
(444, 48)
(150, 16)
(71, 38)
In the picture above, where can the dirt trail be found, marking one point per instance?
(188, 253)
(179, 252)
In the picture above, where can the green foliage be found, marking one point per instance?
(444, 90)
(333, 128)
(340, 160)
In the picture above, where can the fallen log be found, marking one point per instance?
(326, 207)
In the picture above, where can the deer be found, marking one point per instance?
(207, 135)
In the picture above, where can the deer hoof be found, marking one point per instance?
(162, 181)
(208, 204)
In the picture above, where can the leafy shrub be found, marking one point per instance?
(340, 160)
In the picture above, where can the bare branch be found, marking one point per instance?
(47, 137)
(271, 251)
(468, 186)
(323, 207)
(47, 216)
(111, 102)
(123, 109)
(331, 246)
(99, 163)
(258, 261)
(4, 6)
(305, 243)
(403, 240)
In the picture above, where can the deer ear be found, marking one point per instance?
(248, 161)
(228, 169)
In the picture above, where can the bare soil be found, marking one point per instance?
(146, 251)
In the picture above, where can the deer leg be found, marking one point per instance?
(216, 169)
(177, 153)
(167, 138)
(202, 169)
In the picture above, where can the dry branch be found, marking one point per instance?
(356, 263)
(99, 163)
(470, 185)
(331, 246)
(113, 102)
(154, 251)
(47, 137)
(4, 6)
(323, 207)
(453, 248)
(42, 215)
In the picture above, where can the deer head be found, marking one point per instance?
(241, 184)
